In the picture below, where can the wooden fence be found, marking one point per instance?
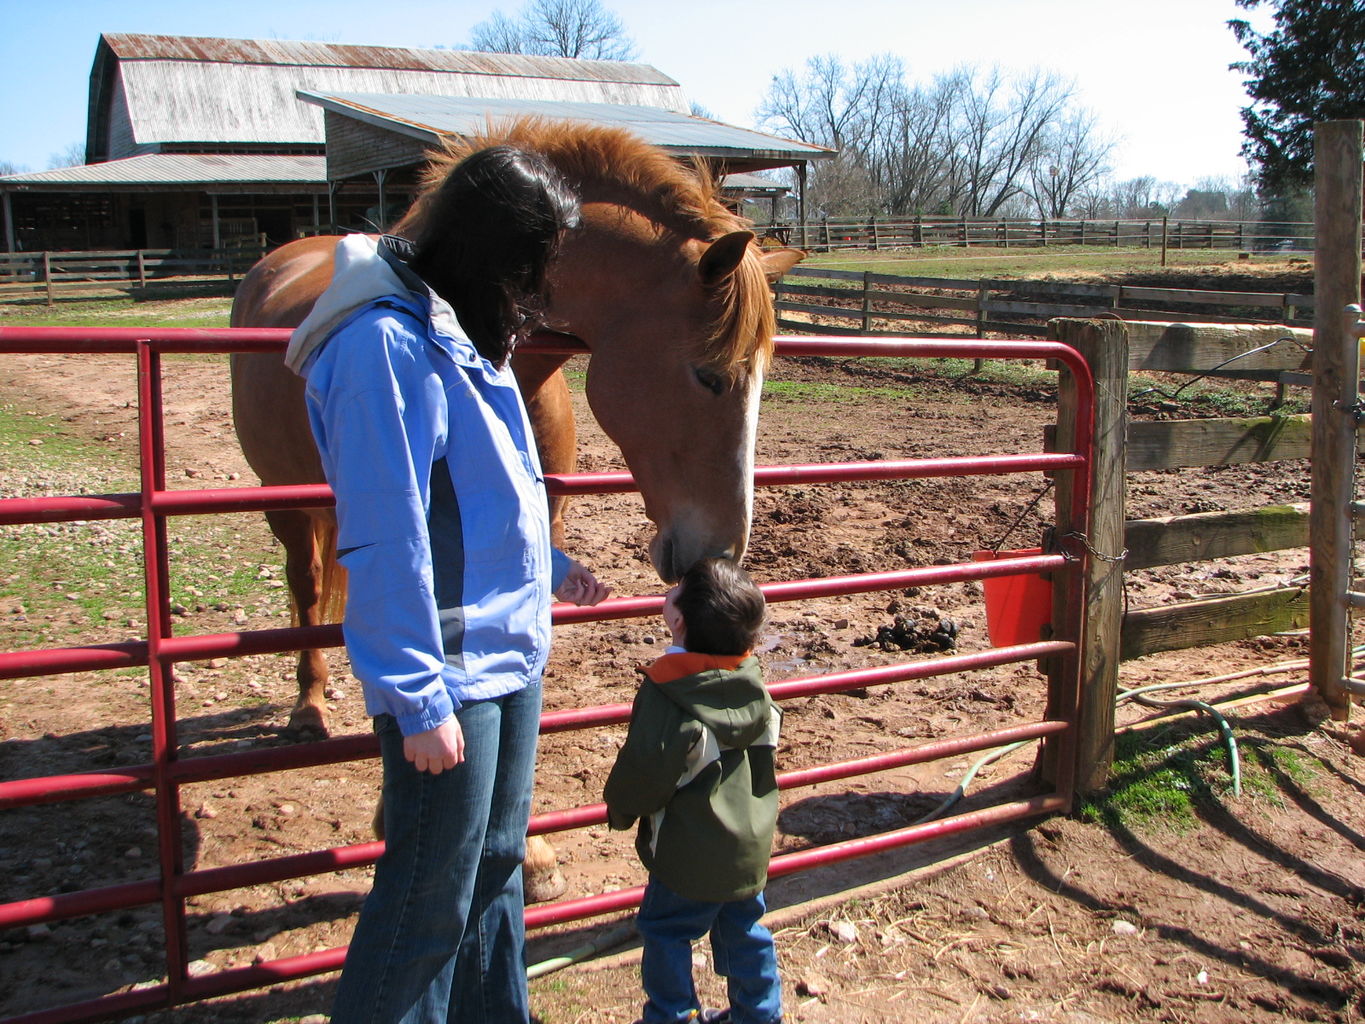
(51, 275)
(1118, 545)
(835, 233)
(883, 303)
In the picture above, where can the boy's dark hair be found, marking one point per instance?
(721, 607)
(490, 230)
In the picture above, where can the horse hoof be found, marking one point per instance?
(307, 722)
(544, 886)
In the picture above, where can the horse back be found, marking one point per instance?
(267, 397)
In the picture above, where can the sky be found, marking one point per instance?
(1154, 73)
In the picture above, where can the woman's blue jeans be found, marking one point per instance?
(441, 937)
(741, 947)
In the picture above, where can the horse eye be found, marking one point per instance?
(710, 380)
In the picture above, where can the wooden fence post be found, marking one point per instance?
(1042, 232)
(867, 302)
(875, 243)
(918, 234)
(1165, 226)
(1336, 393)
(141, 271)
(47, 275)
(1104, 345)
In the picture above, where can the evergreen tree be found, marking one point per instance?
(1311, 67)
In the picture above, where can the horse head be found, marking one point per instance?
(670, 292)
(680, 333)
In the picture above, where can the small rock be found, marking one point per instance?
(199, 968)
(1124, 928)
(812, 985)
(133, 852)
(205, 811)
(218, 924)
(844, 931)
(39, 931)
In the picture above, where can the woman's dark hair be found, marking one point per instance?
(490, 231)
(722, 608)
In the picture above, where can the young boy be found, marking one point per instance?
(697, 771)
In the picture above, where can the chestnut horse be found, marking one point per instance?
(665, 286)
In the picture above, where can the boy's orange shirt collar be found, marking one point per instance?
(688, 663)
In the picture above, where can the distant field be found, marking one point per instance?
(974, 263)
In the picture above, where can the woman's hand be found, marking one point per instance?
(436, 750)
(580, 586)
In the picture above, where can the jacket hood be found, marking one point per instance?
(365, 269)
(726, 695)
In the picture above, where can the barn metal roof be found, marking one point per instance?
(149, 91)
(197, 49)
(429, 117)
(211, 170)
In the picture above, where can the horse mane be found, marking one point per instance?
(613, 165)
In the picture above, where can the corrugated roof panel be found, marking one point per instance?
(184, 169)
(172, 101)
(427, 116)
(135, 47)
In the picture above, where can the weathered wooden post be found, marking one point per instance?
(1104, 345)
(867, 302)
(1337, 148)
(47, 275)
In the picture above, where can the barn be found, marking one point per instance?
(197, 143)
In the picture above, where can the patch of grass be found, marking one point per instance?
(1166, 777)
(981, 262)
(817, 391)
(119, 312)
(30, 442)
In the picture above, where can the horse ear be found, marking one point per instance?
(723, 255)
(777, 262)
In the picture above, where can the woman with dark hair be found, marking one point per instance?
(444, 530)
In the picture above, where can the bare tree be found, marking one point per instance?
(970, 143)
(582, 29)
(1003, 132)
(1071, 155)
(72, 156)
(10, 168)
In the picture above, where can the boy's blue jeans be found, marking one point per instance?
(741, 946)
(441, 937)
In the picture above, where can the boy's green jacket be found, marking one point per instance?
(697, 771)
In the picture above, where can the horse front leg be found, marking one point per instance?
(303, 570)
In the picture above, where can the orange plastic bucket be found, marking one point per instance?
(1017, 607)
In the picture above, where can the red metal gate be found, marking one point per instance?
(167, 772)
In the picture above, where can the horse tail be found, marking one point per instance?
(332, 585)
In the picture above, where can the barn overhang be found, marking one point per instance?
(371, 132)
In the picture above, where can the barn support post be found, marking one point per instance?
(1104, 346)
(217, 225)
(1337, 147)
(9, 221)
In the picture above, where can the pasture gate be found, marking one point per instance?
(1068, 561)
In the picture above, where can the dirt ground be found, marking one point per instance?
(1251, 911)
